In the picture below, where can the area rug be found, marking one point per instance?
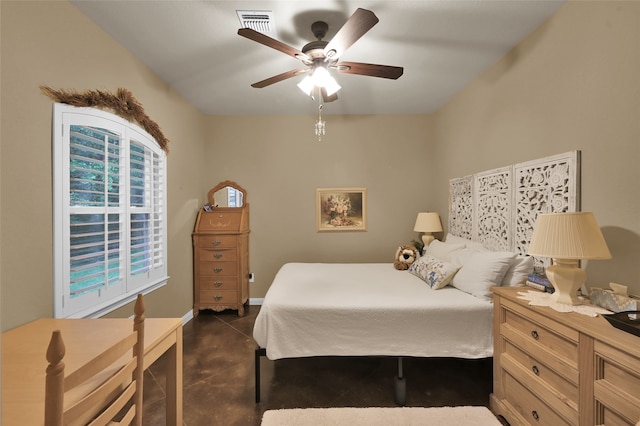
(431, 416)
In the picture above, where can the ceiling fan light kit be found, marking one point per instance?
(320, 56)
(319, 78)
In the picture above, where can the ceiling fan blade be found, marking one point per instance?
(276, 78)
(272, 43)
(326, 98)
(356, 26)
(371, 70)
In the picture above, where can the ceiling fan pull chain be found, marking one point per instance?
(320, 125)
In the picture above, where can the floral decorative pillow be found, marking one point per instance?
(435, 272)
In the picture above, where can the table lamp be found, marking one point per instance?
(428, 222)
(567, 238)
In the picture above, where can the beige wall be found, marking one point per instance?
(280, 163)
(52, 43)
(573, 84)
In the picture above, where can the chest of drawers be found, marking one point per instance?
(554, 368)
(221, 259)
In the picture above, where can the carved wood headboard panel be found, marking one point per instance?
(499, 207)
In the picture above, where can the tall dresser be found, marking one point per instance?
(221, 250)
(553, 368)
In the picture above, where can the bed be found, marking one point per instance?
(438, 308)
(320, 309)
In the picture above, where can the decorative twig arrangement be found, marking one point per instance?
(121, 103)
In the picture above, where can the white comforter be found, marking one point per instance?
(317, 309)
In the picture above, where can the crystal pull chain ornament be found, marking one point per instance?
(320, 124)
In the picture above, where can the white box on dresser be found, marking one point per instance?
(553, 368)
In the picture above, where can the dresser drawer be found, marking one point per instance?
(552, 343)
(552, 389)
(526, 367)
(532, 409)
(216, 241)
(218, 296)
(217, 268)
(617, 385)
(218, 283)
(221, 255)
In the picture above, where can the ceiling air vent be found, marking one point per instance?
(259, 20)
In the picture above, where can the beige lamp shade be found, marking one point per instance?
(428, 222)
(568, 236)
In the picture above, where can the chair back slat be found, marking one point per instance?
(105, 418)
(101, 362)
(104, 395)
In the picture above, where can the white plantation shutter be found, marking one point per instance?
(109, 212)
(158, 201)
(147, 240)
(94, 210)
(140, 229)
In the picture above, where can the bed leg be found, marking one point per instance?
(260, 352)
(400, 385)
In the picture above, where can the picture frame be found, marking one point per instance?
(341, 209)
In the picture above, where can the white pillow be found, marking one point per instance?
(467, 243)
(519, 271)
(435, 272)
(481, 270)
(443, 251)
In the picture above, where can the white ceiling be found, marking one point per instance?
(442, 45)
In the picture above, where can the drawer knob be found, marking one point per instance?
(535, 335)
(217, 298)
(217, 255)
(535, 415)
(535, 370)
(217, 269)
(217, 284)
(217, 242)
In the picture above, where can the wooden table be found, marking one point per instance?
(24, 362)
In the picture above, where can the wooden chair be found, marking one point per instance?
(107, 388)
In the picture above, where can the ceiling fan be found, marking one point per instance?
(319, 56)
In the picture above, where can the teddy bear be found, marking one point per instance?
(405, 256)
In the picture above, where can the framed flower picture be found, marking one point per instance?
(341, 209)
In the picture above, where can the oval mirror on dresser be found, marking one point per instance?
(227, 194)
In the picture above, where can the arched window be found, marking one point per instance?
(110, 240)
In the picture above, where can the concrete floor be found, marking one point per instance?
(219, 378)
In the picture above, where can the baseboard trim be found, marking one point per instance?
(256, 301)
(187, 317)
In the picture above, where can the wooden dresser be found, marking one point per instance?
(553, 368)
(221, 252)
